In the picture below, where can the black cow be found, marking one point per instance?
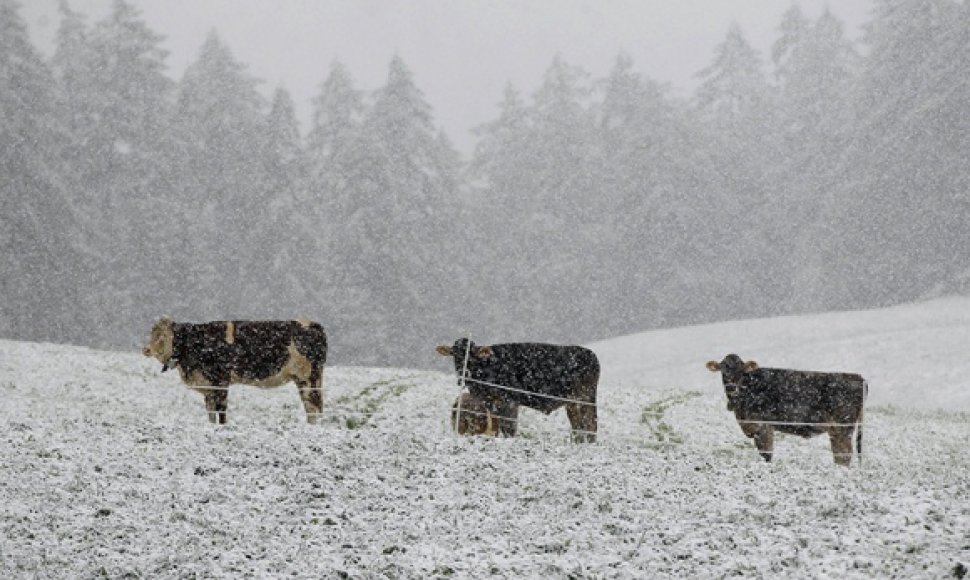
(802, 403)
(544, 377)
(210, 356)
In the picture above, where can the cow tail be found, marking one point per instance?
(862, 412)
(858, 439)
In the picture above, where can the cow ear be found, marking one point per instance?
(484, 352)
(443, 350)
(713, 366)
(750, 366)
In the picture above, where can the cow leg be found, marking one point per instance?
(217, 405)
(582, 420)
(764, 440)
(508, 422)
(588, 423)
(841, 439)
(311, 393)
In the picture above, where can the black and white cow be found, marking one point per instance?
(210, 356)
(804, 403)
(544, 377)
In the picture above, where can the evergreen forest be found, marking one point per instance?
(828, 174)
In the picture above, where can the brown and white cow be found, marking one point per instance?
(805, 403)
(210, 356)
(470, 416)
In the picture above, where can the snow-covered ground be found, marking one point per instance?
(109, 468)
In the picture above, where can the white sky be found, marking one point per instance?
(462, 52)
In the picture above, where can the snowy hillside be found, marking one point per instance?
(108, 467)
(914, 356)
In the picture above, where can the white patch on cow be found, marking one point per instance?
(230, 332)
(296, 368)
(162, 342)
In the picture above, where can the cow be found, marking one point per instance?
(470, 416)
(210, 356)
(539, 376)
(803, 403)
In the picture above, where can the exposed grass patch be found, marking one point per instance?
(653, 417)
(356, 409)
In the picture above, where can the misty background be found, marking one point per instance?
(824, 173)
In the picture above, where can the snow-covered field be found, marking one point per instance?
(109, 468)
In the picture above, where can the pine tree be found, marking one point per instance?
(337, 116)
(334, 146)
(35, 256)
(396, 222)
(285, 239)
(560, 212)
(794, 30)
(562, 145)
(735, 104)
(637, 128)
(130, 65)
(659, 255)
(733, 86)
(498, 205)
(80, 106)
(286, 164)
(73, 64)
(498, 162)
(114, 98)
(818, 71)
(219, 116)
(906, 213)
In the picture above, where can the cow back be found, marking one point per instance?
(564, 372)
(784, 395)
(247, 349)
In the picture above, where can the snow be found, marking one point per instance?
(108, 467)
(914, 356)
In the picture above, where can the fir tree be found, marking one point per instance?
(660, 215)
(334, 134)
(817, 75)
(735, 104)
(221, 128)
(794, 30)
(906, 213)
(35, 212)
(397, 219)
(285, 239)
(562, 147)
(498, 162)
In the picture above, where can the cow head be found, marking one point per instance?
(470, 416)
(732, 370)
(161, 345)
(462, 348)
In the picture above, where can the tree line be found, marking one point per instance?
(826, 175)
